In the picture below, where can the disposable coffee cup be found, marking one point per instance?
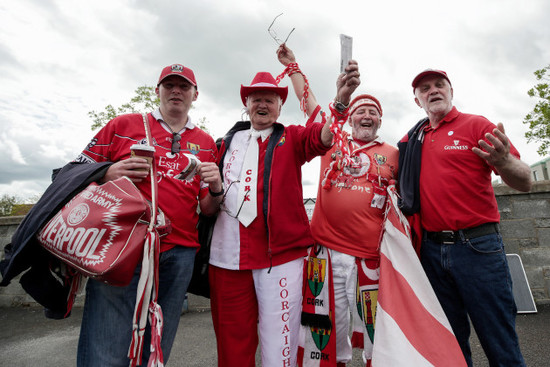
(146, 152)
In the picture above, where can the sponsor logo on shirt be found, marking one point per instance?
(92, 143)
(84, 159)
(456, 146)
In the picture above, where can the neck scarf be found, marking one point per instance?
(317, 334)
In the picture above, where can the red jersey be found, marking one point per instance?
(348, 217)
(455, 184)
(177, 199)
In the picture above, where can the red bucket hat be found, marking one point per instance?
(365, 100)
(427, 72)
(263, 81)
(179, 70)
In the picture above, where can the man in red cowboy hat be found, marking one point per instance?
(349, 212)
(262, 230)
(446, 164)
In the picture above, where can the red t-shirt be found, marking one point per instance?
(455, 184)
(176, 198)
(344, 218)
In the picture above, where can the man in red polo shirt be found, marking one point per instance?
(446, 162)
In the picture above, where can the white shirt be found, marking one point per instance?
(225, 245)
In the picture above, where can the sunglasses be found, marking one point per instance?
(176, 146)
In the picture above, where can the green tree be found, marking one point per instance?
(145, 100)
(539, 119)
(7, 202)
(15, 205)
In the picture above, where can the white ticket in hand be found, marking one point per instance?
(346, 43)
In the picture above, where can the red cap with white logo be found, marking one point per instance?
(179, 70)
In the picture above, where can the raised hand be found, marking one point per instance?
(348, 82)
(285, 55)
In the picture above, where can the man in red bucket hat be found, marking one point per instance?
(262, 231)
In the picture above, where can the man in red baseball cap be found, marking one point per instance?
(106, 329)
(446, 162)
(178, 70)
(262, 230)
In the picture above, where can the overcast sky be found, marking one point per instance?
(61, 59)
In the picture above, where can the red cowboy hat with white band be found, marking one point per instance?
(263, 81)
(364, 100)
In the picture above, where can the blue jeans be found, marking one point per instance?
(471, 278)
(106, 329)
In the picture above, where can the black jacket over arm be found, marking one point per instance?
(25, 252)
(410, 156)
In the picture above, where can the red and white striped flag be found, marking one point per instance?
(411, 327)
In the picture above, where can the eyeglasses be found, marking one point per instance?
(224, 208)
(176, 146)
(273, 34)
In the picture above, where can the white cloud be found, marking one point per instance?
(61, 58)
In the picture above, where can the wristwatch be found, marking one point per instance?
(340, 107)
(215, 194)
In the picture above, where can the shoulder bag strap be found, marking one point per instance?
(152, 174)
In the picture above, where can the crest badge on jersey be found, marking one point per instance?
(380, 159)
(282, 141)
(193, 148)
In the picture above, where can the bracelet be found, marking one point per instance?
(293, 68)
(215, 194)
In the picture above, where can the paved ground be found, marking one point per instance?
(27, 338)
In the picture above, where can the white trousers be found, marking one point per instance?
(251, 303)
(279, 311)
(344, 278)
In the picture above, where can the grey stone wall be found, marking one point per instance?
(525, 223)
(13, 294)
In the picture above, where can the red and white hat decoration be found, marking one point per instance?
(362, 100)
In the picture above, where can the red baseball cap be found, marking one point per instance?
(365, 100)
(179, 70)
(263, 81)
(427, 72)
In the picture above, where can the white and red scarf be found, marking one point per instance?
(364, 314)
(317, 346)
